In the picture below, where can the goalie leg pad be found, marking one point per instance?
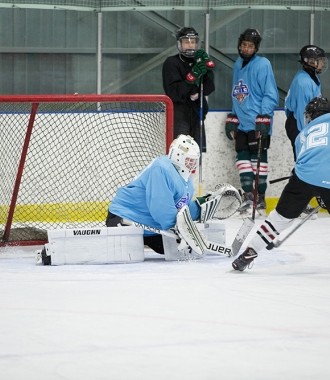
(95, 245)
(188, 231)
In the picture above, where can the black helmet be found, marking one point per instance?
(251, 35)
(189, 33)
(311, 51)
(310, 55)
(316, 107)
(186, 32)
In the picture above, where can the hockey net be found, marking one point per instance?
(63, 157)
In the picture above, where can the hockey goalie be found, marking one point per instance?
(156, 209)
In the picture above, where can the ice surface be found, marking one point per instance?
(159, 320)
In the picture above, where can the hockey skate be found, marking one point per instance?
(307, 211)
(246, 207)
(245, 259)
(261, 205)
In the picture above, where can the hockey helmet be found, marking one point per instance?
(314, 57)
(184, 153)
(187, 33)
(251, 35)
(316, 107)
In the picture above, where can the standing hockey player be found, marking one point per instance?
(313, 151)
(254, 98)
(165, 186)
(305, 86)
(187, 76)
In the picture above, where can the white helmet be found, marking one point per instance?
(184, 153)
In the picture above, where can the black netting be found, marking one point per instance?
(78, 155)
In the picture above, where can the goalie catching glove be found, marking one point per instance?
(224, 202)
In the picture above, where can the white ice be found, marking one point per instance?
(158, 320)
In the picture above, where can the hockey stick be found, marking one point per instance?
(279, 242)
(200, 171)
(248, 223)
(279, 179)
(256, 179)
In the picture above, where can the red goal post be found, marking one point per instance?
(62, 157)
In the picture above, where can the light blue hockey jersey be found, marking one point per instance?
(313, 148)
(254, 91)
(302, 90)
(154, 197)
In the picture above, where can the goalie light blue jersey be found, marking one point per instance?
(313, 145)
(302, 90)
(254, 91)
(154, 197)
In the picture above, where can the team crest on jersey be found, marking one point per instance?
(183, 201)
(240, 91)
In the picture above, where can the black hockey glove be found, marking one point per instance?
(263, 125)
(232, 123)
(320, 202)
(202, 56)
(197, 71)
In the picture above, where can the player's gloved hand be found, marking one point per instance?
(263, 125)
(320, 202)
(202, 56)
(197, 71)
(232, 123)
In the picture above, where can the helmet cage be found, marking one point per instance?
(314, 57)
(184, 153)
(187, 33)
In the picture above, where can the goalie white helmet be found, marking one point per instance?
(184, 153)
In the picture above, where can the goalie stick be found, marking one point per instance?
(191, 234)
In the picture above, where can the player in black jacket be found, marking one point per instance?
(183, 74)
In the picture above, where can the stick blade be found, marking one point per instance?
(241, 235)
